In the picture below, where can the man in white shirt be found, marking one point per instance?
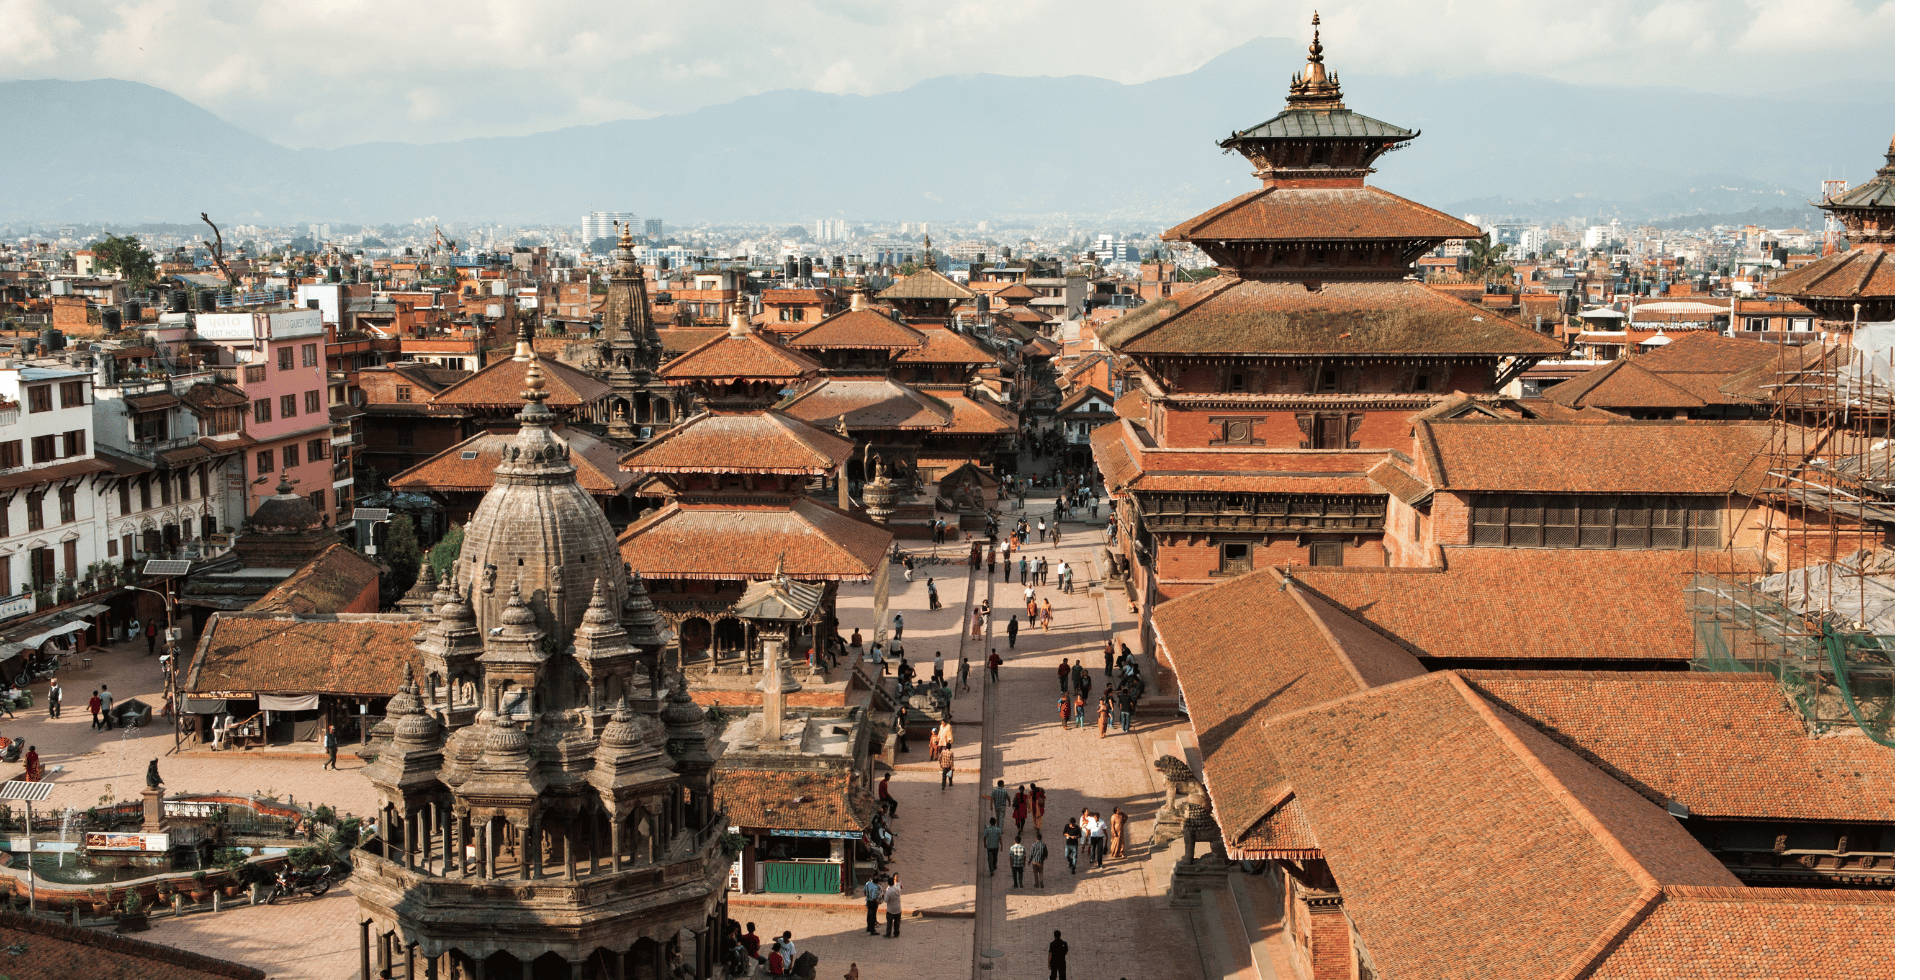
(1097, 833)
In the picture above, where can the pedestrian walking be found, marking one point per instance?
(1127, 702)
(1078, 673)
(1096, 840)
(933, 595)
(1017, 861)
(1108, 654)
(993, 658)
(899, 627)
(1020, 811)
(1033, 612)
(979, 623)
(106, 706)
(1046, 615)
(964, 669)
(1066, 579)
(1106, 716)
(1056, 532)
(946, 766)
(990, 839)
(885, 795)
(332, 744)
(93, 708)
(1080, 711)
(1066, 711)
(153, 635)
(1006, 572)
(1037, 855)
(893, 907)
(1000, 800)
(1060, 575)
(939, 671)
(874, 892)
(1057, 958)
(53, 697)
(1117, 833)
(1037, 798)
(33, 764)
(1023, 570)
(1013, 634)
(1070, 844)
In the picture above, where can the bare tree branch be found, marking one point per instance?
(219, 255)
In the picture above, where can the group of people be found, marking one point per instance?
(781, 958)
(1114, 709)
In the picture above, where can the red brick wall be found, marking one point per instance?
(1450, 519)
(1198, 556)
(1332, 949)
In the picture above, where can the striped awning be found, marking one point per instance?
(20, 789)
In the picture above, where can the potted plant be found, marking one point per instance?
(133, 913)
(201, 890)
(101, 900)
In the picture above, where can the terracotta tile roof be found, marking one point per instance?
(277, 653)
(1511, 603)
(499, 385)
(1128, 463)
(1018, 290)
(42, 475)
(1252, 645)
(1725, 745)
(970, 415)
(1467, 843)
(1681, 457)
(925, 284)
(151, 402)
(728, 358)
(730, 543)
(945, 346)
(1227, 314)
(1316, 213)
(1756, 934)
(467, 466)
(1706, 352)
(868, 403)
(866, 329)
(741, 442)
(675, 341)
(1855, 273)
(39, 947)
(804, 297)
(1390, 476)
(1027, 314)
(1132, 405)
(328, 583)
(790, 799)
(1622, 383)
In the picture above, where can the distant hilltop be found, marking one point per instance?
(1084, 148)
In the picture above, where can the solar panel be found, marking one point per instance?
(20, 789)
(469, 454)
(166, 566)
(370, 513)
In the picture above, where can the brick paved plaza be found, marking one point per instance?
(1117, 919)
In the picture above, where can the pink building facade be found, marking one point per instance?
(278, 358)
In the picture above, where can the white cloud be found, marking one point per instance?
(330, 72)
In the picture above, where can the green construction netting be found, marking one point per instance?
(1836, 676)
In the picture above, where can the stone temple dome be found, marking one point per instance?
(539, 529)
(284, 512)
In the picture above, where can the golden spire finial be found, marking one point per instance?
(626, 235)
(536, 383)
(1314, 49)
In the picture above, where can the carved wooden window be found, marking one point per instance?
(1236, 557)
(1326, 553)
(1237, 431)
(1622, 522)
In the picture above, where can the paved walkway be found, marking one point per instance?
(961, 923)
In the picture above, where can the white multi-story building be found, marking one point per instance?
(49, 523)
(602, 224)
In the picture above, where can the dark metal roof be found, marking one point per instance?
(1319, 123)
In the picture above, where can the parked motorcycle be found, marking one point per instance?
(288, 883)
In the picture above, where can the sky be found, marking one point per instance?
(324, 73)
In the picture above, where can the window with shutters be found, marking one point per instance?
(36, 510)
(256, 372)
(10, 455)
(263, 410)
(1236, 558)
(286, 358)
(289, 456)
(403, 393)
(263, 462)
(313, 401)
(316, 450)
(74, 443)
(67, 507)
(289, 406)
(1325, 553)
(1595, 522)
(309, 355)
(73, 393)
(40, 398)
(46, 449)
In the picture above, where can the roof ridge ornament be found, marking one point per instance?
(1315, 88)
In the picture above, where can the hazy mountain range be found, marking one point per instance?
(954, 148)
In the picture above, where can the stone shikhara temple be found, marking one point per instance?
(547, 790)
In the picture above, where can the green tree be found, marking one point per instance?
(124, 254)
(1488, 261)
(446, 550)
(402, 552)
